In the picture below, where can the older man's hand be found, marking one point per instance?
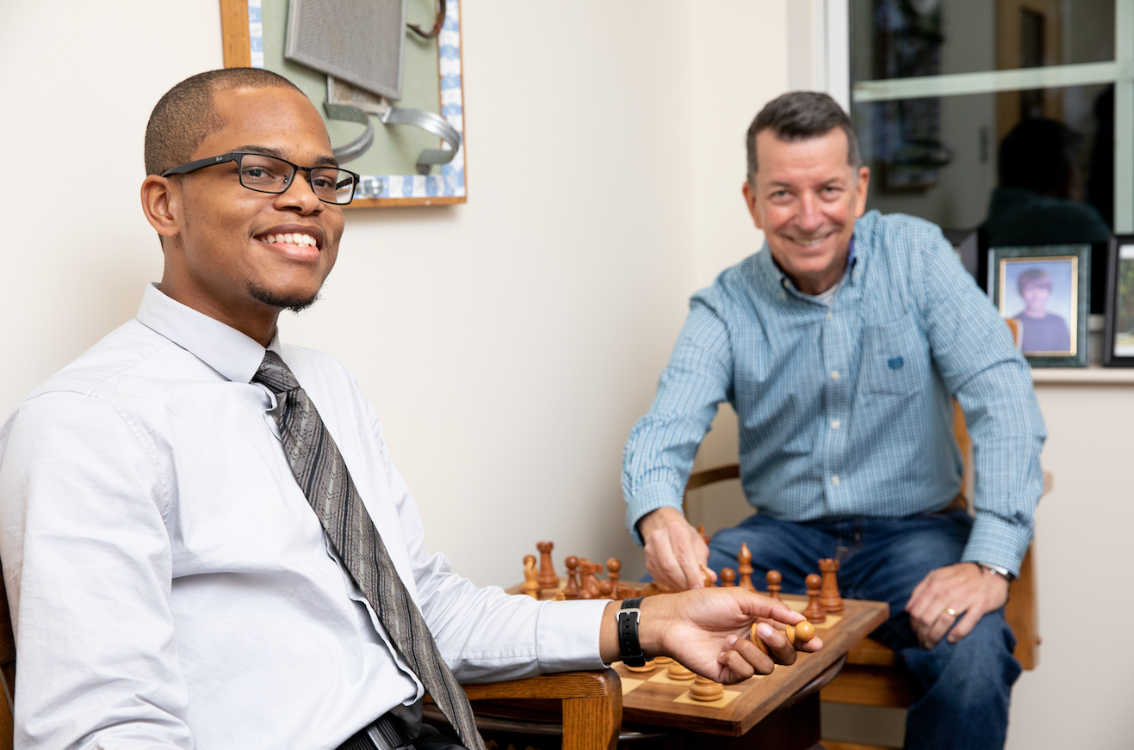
(709, 631)
(676, 554)
(963, 591)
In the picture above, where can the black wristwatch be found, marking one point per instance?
(628, 645)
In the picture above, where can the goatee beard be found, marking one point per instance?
(295, 304)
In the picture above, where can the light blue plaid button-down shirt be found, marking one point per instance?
(845, 410)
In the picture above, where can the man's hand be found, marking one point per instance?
(675, 553)
(964, 588)
(709, 631)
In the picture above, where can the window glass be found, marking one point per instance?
(910, 38)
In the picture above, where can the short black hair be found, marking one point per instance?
(797, 116)
(185, 116)
(1033, 277)
(1039, 155)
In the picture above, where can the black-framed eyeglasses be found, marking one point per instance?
(268, 174)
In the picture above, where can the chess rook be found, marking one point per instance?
(547, 577)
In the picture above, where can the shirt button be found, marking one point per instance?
(835, 375)
(783, 296)
(836, 424)
(835, 479)
(828, 315)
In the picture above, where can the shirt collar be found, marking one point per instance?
(221, 347)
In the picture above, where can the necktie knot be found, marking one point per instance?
(275, 374)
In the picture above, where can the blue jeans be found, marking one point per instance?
(962, 689)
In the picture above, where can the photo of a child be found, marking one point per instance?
(1044, 291)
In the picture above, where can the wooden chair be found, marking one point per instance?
(872, 676)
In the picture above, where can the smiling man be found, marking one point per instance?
(204, 539)
(839, 346)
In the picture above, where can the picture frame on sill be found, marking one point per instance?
(1118, 346)
(1046, 288)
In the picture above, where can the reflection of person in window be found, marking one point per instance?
(1043, 331)
(1036, 203)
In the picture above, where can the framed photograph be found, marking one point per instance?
(1046, 288)
(428, 86)
(1118, 349)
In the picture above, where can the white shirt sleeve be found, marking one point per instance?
(87, 564)
(484, 634)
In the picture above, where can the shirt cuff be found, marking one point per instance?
(568, 634)
(998, 542)
(650, 498)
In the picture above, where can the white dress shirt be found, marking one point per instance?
(169, 584)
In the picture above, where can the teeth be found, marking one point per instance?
(297, 239)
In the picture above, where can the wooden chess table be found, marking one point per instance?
(779, 710)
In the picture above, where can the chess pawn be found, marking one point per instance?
(773, 577)
(560, 596)
(571, 590)
(705, 689)
(613, 569)
(679, 672)
(606, 590)
(662, 661)
(531, 578)
(745, 560)
(728, 578)
(814, 612)
(829, 592)
(547, 577)
(701, 531)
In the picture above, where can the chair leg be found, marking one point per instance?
(591, 723)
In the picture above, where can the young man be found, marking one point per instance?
(204, 540)
(839, 346)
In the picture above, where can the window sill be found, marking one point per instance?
(1093, 375)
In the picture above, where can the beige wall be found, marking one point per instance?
(508, 344)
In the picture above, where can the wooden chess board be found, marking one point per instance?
(654, 700)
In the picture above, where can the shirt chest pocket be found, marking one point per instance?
(895, 359)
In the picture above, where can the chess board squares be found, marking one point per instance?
(662, 677)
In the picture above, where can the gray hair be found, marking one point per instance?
(797, 116)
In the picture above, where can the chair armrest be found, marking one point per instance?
(550, 686)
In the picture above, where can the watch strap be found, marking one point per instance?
(629, 647)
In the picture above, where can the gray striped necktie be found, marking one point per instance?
(322, 474)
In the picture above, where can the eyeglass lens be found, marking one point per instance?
(267, 174)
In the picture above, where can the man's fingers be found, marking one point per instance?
(662, 562)
(735, 667)
(751, 654)
(940, 627)
(782, 651)
(965, 626)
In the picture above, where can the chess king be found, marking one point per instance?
(839, 346)
(204, 539)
